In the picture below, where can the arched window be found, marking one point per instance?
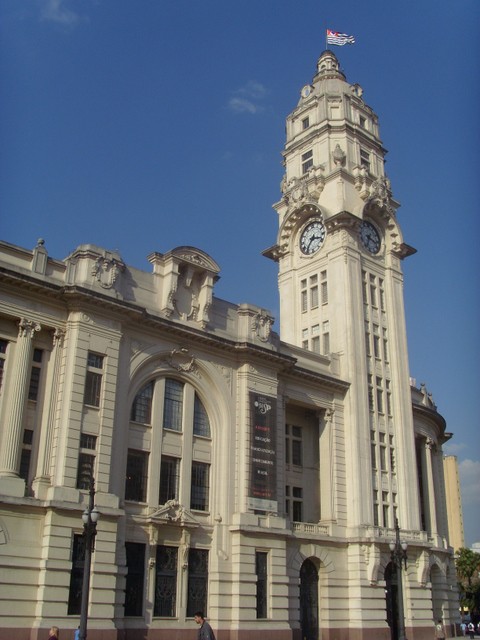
(169, 439)
(142, 405)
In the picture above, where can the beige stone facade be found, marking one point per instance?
(253, 474)
(456, 534)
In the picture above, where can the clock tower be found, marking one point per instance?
(339, 251)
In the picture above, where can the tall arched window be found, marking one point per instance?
(169, 439)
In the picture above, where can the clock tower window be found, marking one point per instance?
(305, 123)
(365, 159)
(307, 161)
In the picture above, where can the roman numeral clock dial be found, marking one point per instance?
(370, 237)
(312, 237)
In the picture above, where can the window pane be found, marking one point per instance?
(197, 581)
(136, 479)
(200, 486)
(297, 453)
(201, 423)
(93, 386)
(34, 383)
(76, 576)
(85, 470)
(169, 476)
(166, 582)
(173, 409)
(142, 405)
(87, 441)
(261, 571)
(95, 360)
(135, 578)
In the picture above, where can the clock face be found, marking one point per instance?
(370, 237)
(312, 237)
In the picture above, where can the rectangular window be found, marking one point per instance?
(380, 407)
(137, 475)
(35, 374)
(365, 159)
(169, 477)
(385, 346)
(305, 123)
(326, 337)
(297, 504)
(373, 452)
(86, 464)
(373, 292)
(303, 300)
(386, 520)
(307, 161)
(93, 380)
(76, 576)
(316, 345)
(324, 287)
(370, 394)
(165, 604)
(314, 297)
(173, 409)
(26, 454)
(197, 581)
(135, 580)
(376, 341)
(382, 294)
(375, 508)
(362, 121)
(199, 486)
(293, 445)
(261, 559)
(88, 441)
(201, 423)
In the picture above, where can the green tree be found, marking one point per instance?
(468, 574)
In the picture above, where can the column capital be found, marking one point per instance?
(27, 328)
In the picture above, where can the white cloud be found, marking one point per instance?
(242, 105)
(454, 448)
(56, 11)
(469, 471)
(247, 99)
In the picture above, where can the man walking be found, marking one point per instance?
(205, 632)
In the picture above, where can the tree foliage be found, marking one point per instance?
(468, 574)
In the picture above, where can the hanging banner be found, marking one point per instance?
(262, 494)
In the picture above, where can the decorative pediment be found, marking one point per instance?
(171, 512)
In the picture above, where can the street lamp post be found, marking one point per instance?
(398, 557)
(90, 518)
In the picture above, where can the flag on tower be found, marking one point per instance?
(333, 37)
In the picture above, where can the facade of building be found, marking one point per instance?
(257, 476)
(456, 534)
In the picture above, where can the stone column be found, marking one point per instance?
(19, 378)
(429, 445)
(45, 443)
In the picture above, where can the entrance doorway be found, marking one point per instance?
(309, 600)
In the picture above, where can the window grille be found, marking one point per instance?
(261, 558)
(173, 407)
(142, 405)
(199, 486)
(165, 604)
(197, 581)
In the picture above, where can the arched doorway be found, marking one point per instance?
(309, 600)
(391, 599)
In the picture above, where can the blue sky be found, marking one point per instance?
(142, 125)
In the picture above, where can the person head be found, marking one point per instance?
(199, 617)
(54, 632)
